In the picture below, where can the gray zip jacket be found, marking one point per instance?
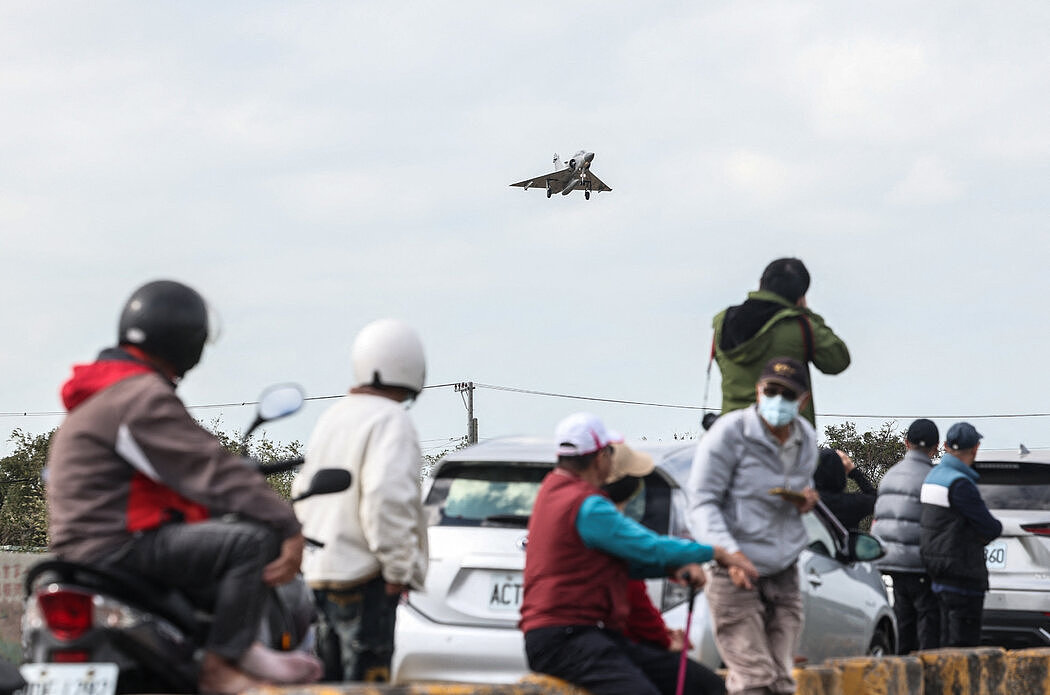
(735, 466)
(897, 513)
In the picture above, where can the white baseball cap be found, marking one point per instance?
(583, 433)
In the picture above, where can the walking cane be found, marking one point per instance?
(685, 644)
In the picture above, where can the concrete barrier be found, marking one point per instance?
(818, 680)
(13, 567)
(1028, 671)
(533, 684)
(952, 671)
(868, 675)
(978, 671)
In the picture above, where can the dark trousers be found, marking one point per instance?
(355, 635)
(960, 619)
(918, 612)
(607, 663)
(218, 565)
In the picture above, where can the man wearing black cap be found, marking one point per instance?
(750, 483)
(898, 511)
(956, 525)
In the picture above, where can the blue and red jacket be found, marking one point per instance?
(582, 552)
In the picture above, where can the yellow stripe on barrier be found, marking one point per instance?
(978, 671)
(1028, 671)
(818, 680)
(891, 675)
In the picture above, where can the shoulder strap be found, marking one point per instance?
(807, 336)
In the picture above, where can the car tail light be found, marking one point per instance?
(69, 656)
(68, 613)
(1040, 529)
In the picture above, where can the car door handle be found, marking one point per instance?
(813, 578)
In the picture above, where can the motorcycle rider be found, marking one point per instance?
(137, 484)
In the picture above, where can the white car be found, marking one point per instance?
(463, 625)
(1015, 485)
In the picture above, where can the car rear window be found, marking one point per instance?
(502, 494)
(1010, 485)
(476, 494)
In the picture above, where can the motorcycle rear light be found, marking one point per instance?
(68, 613)
(69, 656)
(1041, 529)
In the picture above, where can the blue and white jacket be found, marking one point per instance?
(955, 526)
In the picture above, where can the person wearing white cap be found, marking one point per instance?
(580, 555)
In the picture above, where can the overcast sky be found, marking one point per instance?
(312, 166)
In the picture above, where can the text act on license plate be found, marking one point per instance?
(505, 591)
(69, 679)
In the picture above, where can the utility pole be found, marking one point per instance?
(467, 387)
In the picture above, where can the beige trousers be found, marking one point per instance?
(757, 630)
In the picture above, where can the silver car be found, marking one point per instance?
(1015, 485)
(463, 625)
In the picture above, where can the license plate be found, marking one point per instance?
(69, 679)
(995, 555)
(505, 589)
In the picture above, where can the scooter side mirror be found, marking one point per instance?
(327, 481)
(280, 401)
(275, 402)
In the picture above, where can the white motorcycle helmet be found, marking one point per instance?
(389, 352)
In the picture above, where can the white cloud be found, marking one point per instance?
(763, 178)
(331, 161)
(927, 182)
(868, 87)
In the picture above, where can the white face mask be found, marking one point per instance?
(777, 410)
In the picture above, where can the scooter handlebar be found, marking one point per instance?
(273, 467)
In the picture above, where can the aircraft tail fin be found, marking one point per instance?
(557, 162)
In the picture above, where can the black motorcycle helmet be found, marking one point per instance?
(168, 320)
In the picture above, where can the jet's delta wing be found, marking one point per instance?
(596, 183)
(555, 180)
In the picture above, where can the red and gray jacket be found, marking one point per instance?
(130, 458)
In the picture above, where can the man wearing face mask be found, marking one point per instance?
(751, 481)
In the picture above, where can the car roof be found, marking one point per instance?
(668, 456)
(1014, 455)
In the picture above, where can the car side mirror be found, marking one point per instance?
(864, 547)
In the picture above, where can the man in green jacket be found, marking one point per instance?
(773, 322)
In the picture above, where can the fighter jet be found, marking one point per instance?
(567, 177)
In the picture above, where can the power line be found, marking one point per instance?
(513, 389)
(550, 394)
(597, 399)
(207, 406)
